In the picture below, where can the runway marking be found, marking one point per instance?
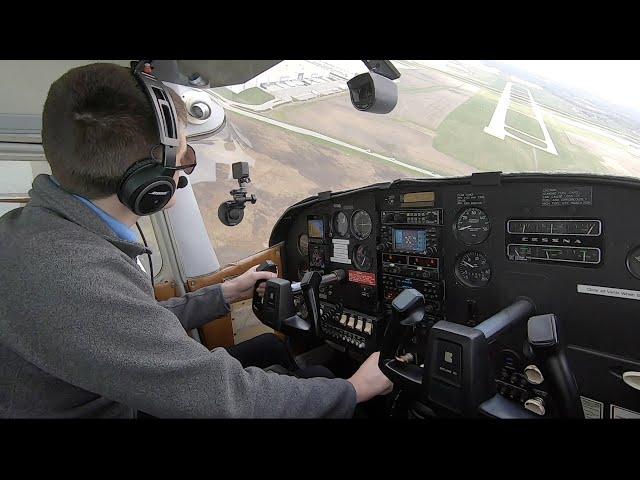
(497, 124)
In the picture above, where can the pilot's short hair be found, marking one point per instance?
(96, 123)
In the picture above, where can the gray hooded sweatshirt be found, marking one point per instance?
(81, 334)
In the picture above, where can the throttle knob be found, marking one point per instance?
(533, 374)
(406, 358)
(535, 405)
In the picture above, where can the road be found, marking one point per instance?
(303, 131)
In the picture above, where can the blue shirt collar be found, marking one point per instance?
(120, 229)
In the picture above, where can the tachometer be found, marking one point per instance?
(361, 224)
(472, 226)
(341, 224)
(303, 244)
(473, 269)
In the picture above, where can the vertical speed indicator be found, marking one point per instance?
(473, 270)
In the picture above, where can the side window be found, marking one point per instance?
(6, 206)
(16, 178)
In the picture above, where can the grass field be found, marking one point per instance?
(524, 123)
(461, 136)
(250, 96)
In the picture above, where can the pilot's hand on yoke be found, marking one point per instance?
(242, 285)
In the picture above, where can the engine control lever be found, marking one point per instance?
(543, 334)
(258, 302)
(457, 361)
(506, 318)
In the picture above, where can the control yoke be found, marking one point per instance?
(277, 309)
(456, 374)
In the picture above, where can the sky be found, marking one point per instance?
(615, 80)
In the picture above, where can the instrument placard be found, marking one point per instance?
(365, 278)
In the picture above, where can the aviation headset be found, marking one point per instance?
(147, 186)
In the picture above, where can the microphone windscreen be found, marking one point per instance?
(182, 181)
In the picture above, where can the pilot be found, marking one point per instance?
(81, 334)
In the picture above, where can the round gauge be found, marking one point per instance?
(633, 262)
(361, 224)
(472, 226)
(362, 258)
(341, 224)
(473, 269)
(303, 244)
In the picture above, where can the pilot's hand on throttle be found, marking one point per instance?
(369, 380)
(242, 285)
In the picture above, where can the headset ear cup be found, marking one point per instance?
(145, 189)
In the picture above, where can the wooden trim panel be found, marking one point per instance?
(165, 290)
(219, 333)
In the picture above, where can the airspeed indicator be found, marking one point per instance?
(472, 226)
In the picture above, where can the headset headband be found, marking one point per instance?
(163, 109)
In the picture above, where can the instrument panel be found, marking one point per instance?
(472, 245)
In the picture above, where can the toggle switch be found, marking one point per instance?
(368, 328)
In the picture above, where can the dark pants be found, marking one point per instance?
(266, 350)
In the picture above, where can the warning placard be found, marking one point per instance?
(591, 408)
(566, 196)
(362, 277)
(609, 291)
(617, 412)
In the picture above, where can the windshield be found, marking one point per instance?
(296, 127)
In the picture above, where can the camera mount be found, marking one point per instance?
(231, 212)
